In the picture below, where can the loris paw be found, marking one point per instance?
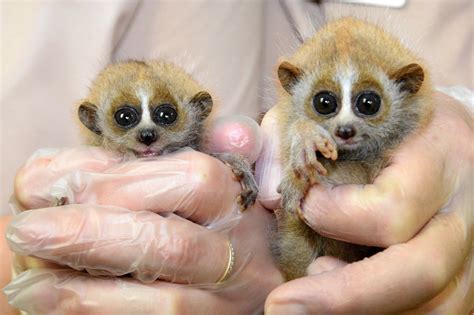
(242, 172)
(306, 165)
(248, 195)
(304, 161)
(325, 144)
(57, 202)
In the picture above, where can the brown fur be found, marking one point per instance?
(382, 65)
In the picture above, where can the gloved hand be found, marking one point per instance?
(420, 208)
(166, 221)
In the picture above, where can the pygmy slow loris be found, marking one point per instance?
(351, 94)
(149, 108)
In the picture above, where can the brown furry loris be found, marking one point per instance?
(149, 108)
(351, 94)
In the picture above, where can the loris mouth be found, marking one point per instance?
(349, 143)
(146, 153)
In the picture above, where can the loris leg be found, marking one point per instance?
(295, 245)
(243, 173)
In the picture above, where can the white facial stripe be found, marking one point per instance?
(346, 78)
(146, 116)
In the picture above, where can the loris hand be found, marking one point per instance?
(419, 208)
(182, 237)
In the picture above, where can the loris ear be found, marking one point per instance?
(203, 101)
(288, 75)
(410, 78)
(88, 116)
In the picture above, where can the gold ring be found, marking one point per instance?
(230, 264)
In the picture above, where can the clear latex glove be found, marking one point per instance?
(419, 207)
(182, 237)
(180, 182)
(64, 291)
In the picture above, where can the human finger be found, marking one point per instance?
(417, 183)
(456, 298)
(106, 240)
(192, 184)
(237, 134)
(324, 264)
(5, 267)
(399, 278)
(268, 168)
(189, 183)
(59, 291)
(34, 180)
(45, 291)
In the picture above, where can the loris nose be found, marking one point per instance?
(147, 136)
(345, 132)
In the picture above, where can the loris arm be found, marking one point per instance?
(300, 145)
(303, 169)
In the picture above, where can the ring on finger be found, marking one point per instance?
(230, 264)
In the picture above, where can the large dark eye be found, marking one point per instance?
(126, 116)
(165, 114)
(368, 103)
(325, 103)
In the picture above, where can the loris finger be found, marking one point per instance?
(327, 148)
(247, 198)
(312, 163)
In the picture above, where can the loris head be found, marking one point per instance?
(360, 84)
(145, 108)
